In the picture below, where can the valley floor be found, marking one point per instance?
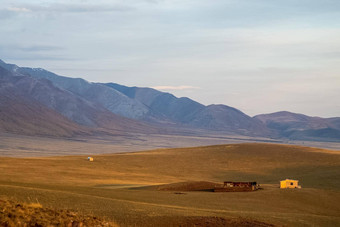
(112, 187)
(13, 145)
(128, 207)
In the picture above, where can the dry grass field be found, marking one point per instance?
(116, 186)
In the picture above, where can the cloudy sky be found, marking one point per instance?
(259, 56)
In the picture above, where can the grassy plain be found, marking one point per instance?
(112, 185)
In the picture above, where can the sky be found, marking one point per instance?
(259, 56)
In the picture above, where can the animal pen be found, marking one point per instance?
(230, 186)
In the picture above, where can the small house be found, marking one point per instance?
(230, 186)
(90, 159)
(288, 183)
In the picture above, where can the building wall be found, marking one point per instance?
(282, 184)
(289, 184)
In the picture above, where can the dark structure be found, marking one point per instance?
(230, 186)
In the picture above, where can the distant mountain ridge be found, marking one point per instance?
(163, 104)
(302, 127)
(110, 106)
(74, 109)
(111, 99)
(193, 114)
(149, 105)
(20, 113)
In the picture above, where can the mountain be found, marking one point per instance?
(147, 105)
(19, 114)
(225, 118)
(302, 127)
(187, 112)
(163, 105)
(79, 106)
(109, 98)
(41, 93)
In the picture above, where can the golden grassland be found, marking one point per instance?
(111, 186)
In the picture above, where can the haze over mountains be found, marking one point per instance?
(38, 102)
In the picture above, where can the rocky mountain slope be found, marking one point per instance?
(112, 100)
(192, 114)
(225, 118)
(163, 105)
(302, 127)
(23, 115)
(32, 105)
(143, 104)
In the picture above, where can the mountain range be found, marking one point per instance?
(301, 127)
(35, 101)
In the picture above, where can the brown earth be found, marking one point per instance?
(18, 214)
(189, 186)
(202, 221)
(220, 222)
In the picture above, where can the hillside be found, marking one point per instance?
(112, 100)
(23, 115)
(192, 114)
(299, 126)
(36, 107)
(163, 104)
(225, 118)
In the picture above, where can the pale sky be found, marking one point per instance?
(259, 56)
